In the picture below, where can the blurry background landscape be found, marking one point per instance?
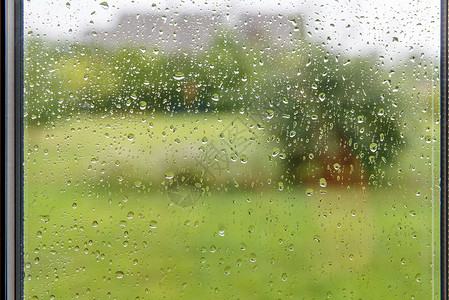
(218, 153)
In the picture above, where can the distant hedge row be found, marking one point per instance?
(315, 102)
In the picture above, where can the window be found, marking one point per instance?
(229, 149)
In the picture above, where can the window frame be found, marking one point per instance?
(12, 150)
(12, 242)
(443, 148)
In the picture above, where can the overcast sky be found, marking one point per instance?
(385, 26)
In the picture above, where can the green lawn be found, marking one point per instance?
(99, 222)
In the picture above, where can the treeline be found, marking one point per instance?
(316, 103)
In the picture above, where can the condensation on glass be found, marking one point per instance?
(231, 149)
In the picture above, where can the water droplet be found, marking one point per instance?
(119, 274)
(169, 175)
(252, 257)
(104, 4)
(309, 192)
(153, 224)
(284, 276)
(227, 270)
(179, 76)
(215, 97)
(322, 96)
(281, 186)
(242, 246)
(130, 136)
(323, 182)
(373, 147)
(270, 114)
(44, 218)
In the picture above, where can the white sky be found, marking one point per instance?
(373, 25)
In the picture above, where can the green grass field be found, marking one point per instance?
(99, 222)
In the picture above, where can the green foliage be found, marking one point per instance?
(94, 206)
(314, 102)
(338, 107)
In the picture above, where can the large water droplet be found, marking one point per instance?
(169, 175)
(119, 274)
(284, 276)
(179, 76)
(322, 96)
(323, 182)
(104, 4)
(227, 270)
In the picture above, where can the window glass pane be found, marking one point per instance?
(231, 149)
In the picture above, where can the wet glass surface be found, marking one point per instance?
(231, 149)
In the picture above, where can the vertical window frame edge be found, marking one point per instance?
(444, 150)
(18, 102)
(10, 148)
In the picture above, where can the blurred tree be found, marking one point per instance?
(339, 119)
